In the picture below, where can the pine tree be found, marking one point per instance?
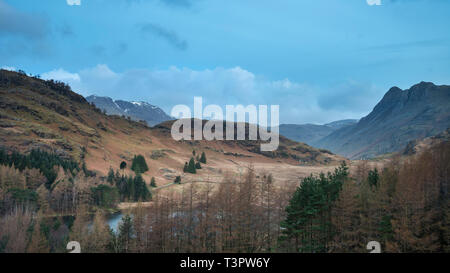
(203, 158)
(185, 168)
(198, 165)
(139, 165)
(111, 176)
(308, 220)
(126, 232)
(191, 166)
(141, 192)
(373, 178)
(153, 183)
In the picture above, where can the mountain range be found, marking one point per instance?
(37, 113)
(312, 133)
(400, 117)
(49, 116)
(135, 110)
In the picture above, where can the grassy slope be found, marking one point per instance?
(36, 115)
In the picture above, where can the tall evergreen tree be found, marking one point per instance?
(203, 158)
(308, 220)
(126, 233)
(191, 166)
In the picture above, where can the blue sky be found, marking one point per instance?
(320, 60)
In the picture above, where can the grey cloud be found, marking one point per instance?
(169, 35)
(22, 34)
(299, 103)
(14, 22)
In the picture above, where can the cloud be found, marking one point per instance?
(73, 2)
(299, 102)
(62, 75)
(22, 34)
(17, 23)
(170, 36)
(374, 2)
(10, 68)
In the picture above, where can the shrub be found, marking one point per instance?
(139, 164)
(105, 196)
(177, 180)
(123, 165)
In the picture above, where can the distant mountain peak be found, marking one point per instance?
(137, 110)
(421, 111)
(423, 85)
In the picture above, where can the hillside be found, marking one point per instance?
(308, 133)
(312, 133)
(341, 123)
(38, 114)
(418, 146)
(400, 117)
(135, 110)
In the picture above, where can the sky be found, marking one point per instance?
(320, 60)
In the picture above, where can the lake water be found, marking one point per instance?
(114, 220)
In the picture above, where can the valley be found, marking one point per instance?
(67, 164)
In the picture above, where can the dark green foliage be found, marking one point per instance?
(105, 196)
(111, 176)
(139, 164)
(132, 188)
(185, 168)
(177, 180)
(308, 221)
(41, 160)
(198, 165)
(203, 158)
(191, 166)
(23, 198)
(153, 183)
(385, 228)
(126, 233)
(373, 178)
(141, 192)
(123, 165)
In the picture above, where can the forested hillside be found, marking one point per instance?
(404, 206)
